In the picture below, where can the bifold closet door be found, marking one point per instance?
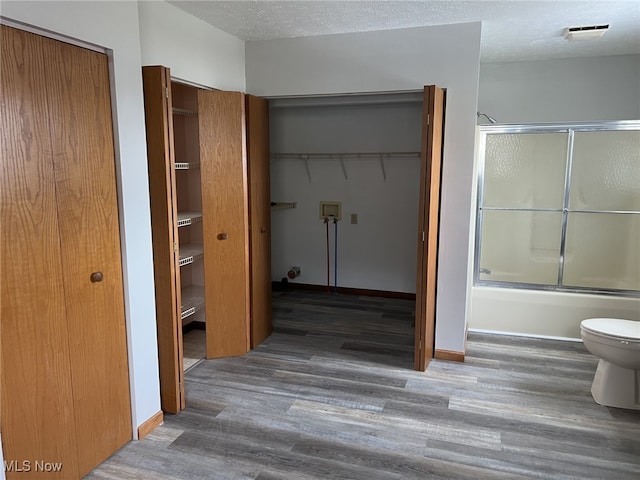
(259, 217)
(84, 166)
(223, 170)
(37, 416)
(65, 389)
(162, 190)
(428, 224)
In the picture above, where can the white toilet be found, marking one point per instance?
(617, 343)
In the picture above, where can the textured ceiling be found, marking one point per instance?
(512, 30)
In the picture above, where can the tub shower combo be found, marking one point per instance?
(558, 213)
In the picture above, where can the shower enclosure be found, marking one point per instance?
(559, 209)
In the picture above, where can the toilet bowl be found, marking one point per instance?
(616, 343)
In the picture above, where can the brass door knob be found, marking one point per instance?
(222, 236)
(96, 277)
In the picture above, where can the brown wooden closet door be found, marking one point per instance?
(428, 224)
(37, 416)
(65, 385)
(162, 188)
(259, 217)
(223, 171)
(83, 156)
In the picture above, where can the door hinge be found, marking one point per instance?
(428, 118)
(175, 246)
(166, 92)
(420, 345)
(423, 236)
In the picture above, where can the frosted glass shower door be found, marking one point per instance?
(525, 170)
(603, 224)
(521, 246)
(521, 207)
(559, 207)
(602, 251)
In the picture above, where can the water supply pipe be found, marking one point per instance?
(326, 223)
(335, 255)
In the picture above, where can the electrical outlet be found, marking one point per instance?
(354, 218)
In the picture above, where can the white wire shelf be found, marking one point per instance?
(192, 301)
(186, 165)
(188, 218)
(282, 205)
(184, 112)
(342, 156)
(189, 253)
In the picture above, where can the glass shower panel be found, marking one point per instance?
(525, 170)
(602, 251)
(606, 171)
(520, 246)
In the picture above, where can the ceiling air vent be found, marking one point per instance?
(585, 33)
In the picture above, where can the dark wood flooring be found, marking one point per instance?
(331, 395)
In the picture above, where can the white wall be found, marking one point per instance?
(571, 89)
(114, 25)
(394, 60)
(379, 252)
(193, 49)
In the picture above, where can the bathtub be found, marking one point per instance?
(543, 313)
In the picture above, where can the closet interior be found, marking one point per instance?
(209, 190)
(365, 158)
(189, 221)
(363, 152)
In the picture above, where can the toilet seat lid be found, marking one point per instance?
(615, 327)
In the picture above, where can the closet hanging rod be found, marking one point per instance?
(367, 155)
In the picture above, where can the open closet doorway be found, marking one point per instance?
(199, 216)
(210, 208)
(377, 158)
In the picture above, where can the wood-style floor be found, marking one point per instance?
(331, 394)
(194, 347)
